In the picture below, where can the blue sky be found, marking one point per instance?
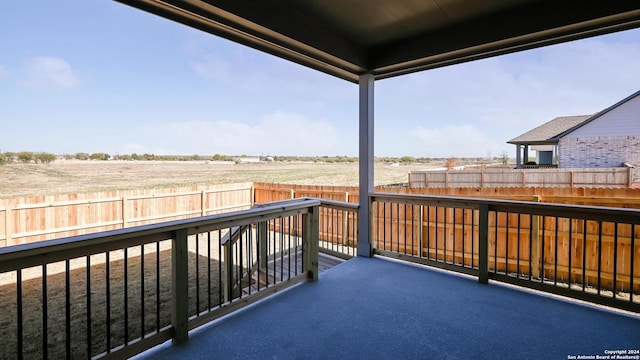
(99, 76)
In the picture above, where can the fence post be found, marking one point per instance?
(310, 243)
(203, 203)
(179, 282)
(571, 179)
(125, 218)
(483, 243)
(8, 226)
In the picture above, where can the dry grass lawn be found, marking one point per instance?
(24, 180)
(56, 299)
(72, 176)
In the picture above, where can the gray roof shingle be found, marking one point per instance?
(546, 132)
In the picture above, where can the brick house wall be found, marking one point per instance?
(601, 151)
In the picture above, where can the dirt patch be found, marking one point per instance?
(73, 176)
(142, 313)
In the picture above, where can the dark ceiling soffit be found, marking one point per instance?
(483, 38)
(595, 116)
(231, 27)
(544, 23)
(288, 25)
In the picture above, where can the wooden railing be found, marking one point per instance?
(588, 253)
(337, 226)
(117, 293)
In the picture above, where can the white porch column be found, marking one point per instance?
(366, 85)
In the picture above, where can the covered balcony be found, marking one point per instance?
(502, 278)
(427, 276)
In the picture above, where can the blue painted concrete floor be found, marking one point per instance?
(373, 308)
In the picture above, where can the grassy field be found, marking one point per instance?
(75, 176)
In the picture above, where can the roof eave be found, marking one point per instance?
(336, 55)
(391, 60)
(546, 142)
(231, 27)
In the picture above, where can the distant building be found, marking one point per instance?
(609, 138)
(543, 140)
(247, 159)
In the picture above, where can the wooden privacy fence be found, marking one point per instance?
(610, 197)
(523, 178)
(266, 192)
(337, 224)
(25, 220)
(556, 242)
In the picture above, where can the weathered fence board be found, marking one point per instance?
(520, 178)
(24, 220)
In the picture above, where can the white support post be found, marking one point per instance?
(366, 85)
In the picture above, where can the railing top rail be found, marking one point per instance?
(451, 201)
(324, 202)
(33, 254)
(340, 205)
(631, 216)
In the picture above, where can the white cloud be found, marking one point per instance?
(50, 74)
(278, 133)
(505, 96)
(3, 71)
(247, 70)
(566, 79)
(212, 67)
(239, 69)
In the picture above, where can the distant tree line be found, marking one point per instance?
(27, 157)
